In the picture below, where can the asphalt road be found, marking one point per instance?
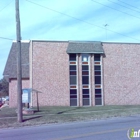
(107, 129)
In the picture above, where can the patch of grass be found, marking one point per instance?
(48, 115)
(8, 112)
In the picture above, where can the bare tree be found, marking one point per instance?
(4, 87)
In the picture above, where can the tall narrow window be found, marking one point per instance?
(73, 79)
(85, 79)
(98, 81)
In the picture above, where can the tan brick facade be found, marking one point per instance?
(13, 91)
(121, 69)
(49, 74)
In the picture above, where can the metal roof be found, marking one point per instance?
(85, 47)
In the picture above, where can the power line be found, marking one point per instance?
(1, 11)
(124, 6)
(6, 6)
(63, 14)
(115, 9)
(6, 38)
(129, 4)
(80, 20)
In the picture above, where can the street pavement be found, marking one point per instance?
(106, 129)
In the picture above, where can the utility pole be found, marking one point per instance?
(19, 69)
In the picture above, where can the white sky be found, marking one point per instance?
(39, 22)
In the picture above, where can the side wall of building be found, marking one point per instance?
(121, 70)
(13, 91)
(50, 73)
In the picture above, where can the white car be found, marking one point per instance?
(5, 98)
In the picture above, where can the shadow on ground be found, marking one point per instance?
(31, 118)
(68, 110)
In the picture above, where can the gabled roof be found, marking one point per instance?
(85, 47)
(10, 70)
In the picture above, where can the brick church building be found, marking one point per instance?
(76, 73)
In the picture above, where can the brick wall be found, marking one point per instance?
(13, 91)
(121, 69)
(120, 74)
(50, 64)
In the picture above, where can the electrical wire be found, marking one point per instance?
(115, 9)
(6, 38)
(1, 11)
(124, 6)
(129, 5)
(81, 20)
(6, 6)
(64, 14)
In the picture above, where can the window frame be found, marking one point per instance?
(73, 86)
(98, 86)
(86, 98)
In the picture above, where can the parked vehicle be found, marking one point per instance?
(1, 102)
(6, 98)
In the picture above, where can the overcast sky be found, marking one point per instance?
(69, 20)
